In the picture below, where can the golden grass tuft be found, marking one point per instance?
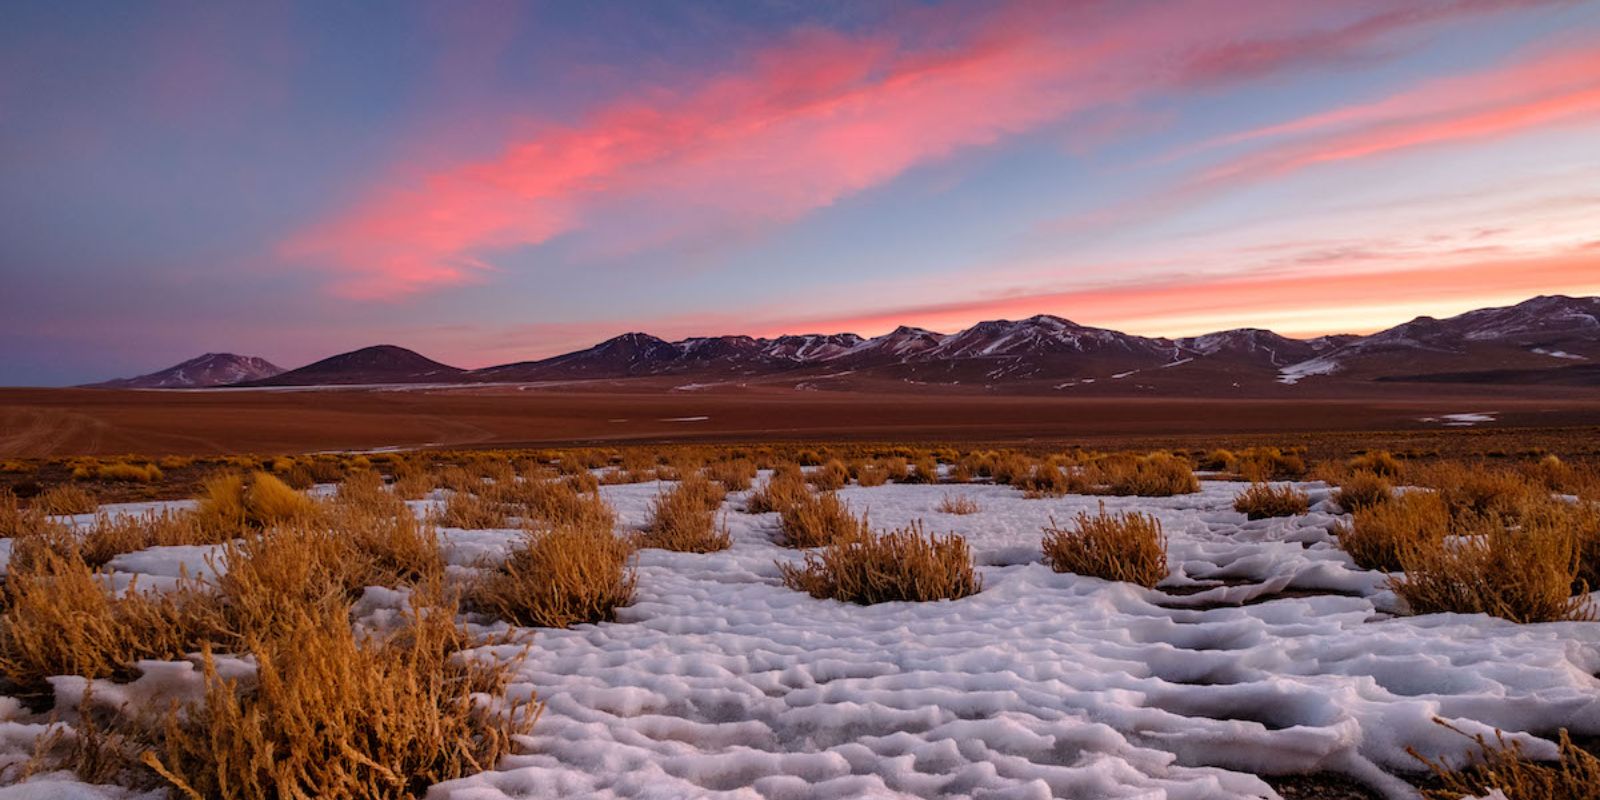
(1263, 500)
(1380, 533)
(119, 471)
(1378, 462)
(228, 502)
(330, 713)
(1153, 475)
(560, 578)
(1523, 574)
(1259, 464)
(925, 470)
(784, 488)
(61, 618)
(684, 519)
(900, 565)
(111, 536)
(817, 521)
(1502, 765)
(560, 503)
(735, 474)
(1052, 478)
(65, 499)
(829, 477)
(1478, 491)
(463, 510)
(870, 475)
(896, 468)
(1127, 546)
(1362, 490)
(1218, 460)
(957, 504)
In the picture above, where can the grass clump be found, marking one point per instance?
(333, 713)
(829, 477)
(1503, 766)
(784, 488)
(1381, 533)
(1362, 490)
(560, 578)
(1127, 546)
(1154, 475)
(111, 536)
(119, 471)
(228, 501)
(817, 521)
(1523, 574)
(735, 474)
(957, 504)
(1259, 464)
(471, 511)
(1263, 500)
(899, 565)
(65, 500)
(1378, 462)
(684, 519)
(925, 470)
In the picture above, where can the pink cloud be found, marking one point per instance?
(814, 119)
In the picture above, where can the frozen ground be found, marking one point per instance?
(1267, 652)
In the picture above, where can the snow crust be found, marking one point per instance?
(1268, 651)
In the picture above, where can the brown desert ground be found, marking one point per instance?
(58, 422)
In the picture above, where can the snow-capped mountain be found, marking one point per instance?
(211, 369)
(1255, 345)
(1543, 332)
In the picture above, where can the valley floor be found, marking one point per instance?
(1266, 653)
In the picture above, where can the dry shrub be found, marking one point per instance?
(17, 467)
(65, 500)
(1127, 546)
(276, 574)
(559, 503)
(1381, 532)
(1502, 765)
(964, 470)
(1377, 462)
(829, 477)
(1526, 574)
(330, 713)
(583, 482)
(560, 578)
(817, 521)
(782, 490)
(735, 474)
(896, 468)
(926, 470)
(1010, 468)
(227, 502)
(1052, 479)
(394, 549)
(1478, 491)
(1259, 464)
(1218, 460)
(957, 504)
(123, 471)
(111, 536)
(684, 519)
(365, 492)
(1154, 475)
(1362, 490)
(870, 475)
(17, 521)
(62, 619)
(413, 484)
(899, 565)
(473, 511)
(1264, 500)
(175, 462)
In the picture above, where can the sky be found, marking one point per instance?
(489, 182)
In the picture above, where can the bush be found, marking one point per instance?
(1010, 468)
(1264, 500)
(957, 504)
(1378, 462)
(65, 500)
(900, 565)
(226, 502)
(926, 471)
(817, 521)
(111, 536)
(684, 519)
(1218, 460)
(1154, 475)
(1480, 492)
(61, 618)
(1381, 533)
(333, 714)
(1051, 479)
(896, 469)
(1260, 464)
(735, 475)
(1363, 490)
(560, 503)
(1127, 546)
(122, 471)
(870, 475)
(830, 476)
(1504, 767)
(560, 578)
(783, 489)
(471, 511)
(1524, 575)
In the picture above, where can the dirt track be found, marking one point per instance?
(53, 422)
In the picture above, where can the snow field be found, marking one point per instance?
(1266, 652)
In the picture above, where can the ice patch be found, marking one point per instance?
(1462, 420)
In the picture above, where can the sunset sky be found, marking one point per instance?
(490, 182)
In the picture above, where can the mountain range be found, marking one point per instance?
(1552, 340)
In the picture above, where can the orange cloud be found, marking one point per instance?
(814, 119)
